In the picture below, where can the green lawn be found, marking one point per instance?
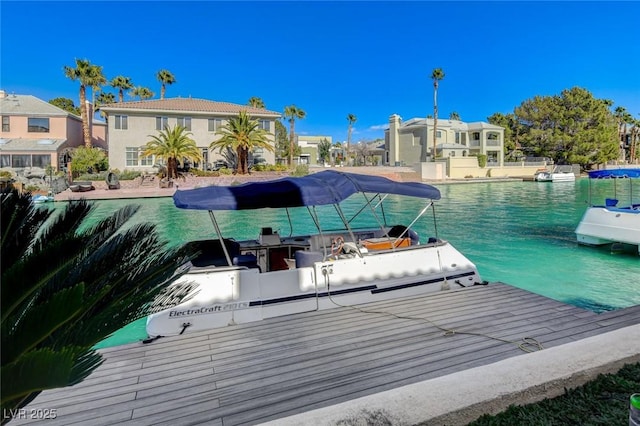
(604, 401)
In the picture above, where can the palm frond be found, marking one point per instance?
(33, 372)
(39, 321)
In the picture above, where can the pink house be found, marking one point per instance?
(35, 133)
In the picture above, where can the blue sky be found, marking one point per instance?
(368, 58)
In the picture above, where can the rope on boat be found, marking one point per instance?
(526, 344)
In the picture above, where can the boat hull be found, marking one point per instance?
(601, 225)
(228, 296)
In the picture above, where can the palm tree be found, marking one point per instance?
(164, 77)
(67, 286)
(436, 75)
(104, 98)
(256, 102)
(351, 119)
(173, 146)
(242, 134)
(88, 75)
(292, 112)
(454, 116)
(121, 83)
(142, 93)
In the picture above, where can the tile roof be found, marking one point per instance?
(30, 105)
(24, 144)
(190, 105)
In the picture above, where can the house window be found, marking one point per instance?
(457, 137)
(146, 161)
(492, 136)
(162, 122)
(5, 124)
(476, 136)
(438, 134)
(41, 161)
(185, 122)
(452, 153)
(265, 125)
(121, 122)
(38, 125)
(214, 124)
(5, 160)
(132, 155)
(18, 161)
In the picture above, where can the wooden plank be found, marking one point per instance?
(261, 371)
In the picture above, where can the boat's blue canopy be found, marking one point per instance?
(615, 173)
(326, 187)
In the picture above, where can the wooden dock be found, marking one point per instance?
(252, 373)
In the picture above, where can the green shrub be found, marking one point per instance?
(225, 171)
(5, 174)
(88, 159)
(204, 173)
(31, 188)
(482, 160)
(127, 174)
(300, 170)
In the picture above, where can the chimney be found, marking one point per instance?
(394, 139)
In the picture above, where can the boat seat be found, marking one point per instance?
(307, 258)
(211, 252)
(248, 260)
(610, 202)
(398, 230)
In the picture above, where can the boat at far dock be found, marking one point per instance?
(557, 175)
(615, 221)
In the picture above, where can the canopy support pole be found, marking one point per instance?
(224, 246)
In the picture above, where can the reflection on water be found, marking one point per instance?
(520, 233)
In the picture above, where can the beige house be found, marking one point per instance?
(130, 125)
(309, 148)
(36, 134)
(454, 138)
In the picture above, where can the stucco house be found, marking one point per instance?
(454, 138)
(309, 153)
(130, 125)
(36, 134)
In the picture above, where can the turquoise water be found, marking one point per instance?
(520, 233)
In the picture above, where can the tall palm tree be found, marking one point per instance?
(242, 134)
(292, 112)
(121, 83)
(164, 77)
(436, 75)
(454, 116)
(173, 145)
(351, 119)
(256, 102)
(88, 75)
(142, 93)
(67, 286)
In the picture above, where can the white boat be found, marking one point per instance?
(555, 176)
(38, 199)
(613, 222)
(275, 275)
